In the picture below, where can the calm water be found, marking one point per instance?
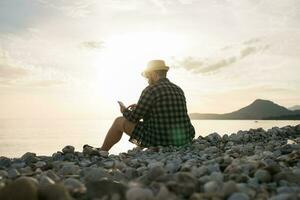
(45, 137)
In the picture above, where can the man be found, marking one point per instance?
(161, 106)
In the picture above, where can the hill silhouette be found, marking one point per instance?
(259, 109)
(296, 107)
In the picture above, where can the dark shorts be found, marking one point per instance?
(142, 136)
(138, 134)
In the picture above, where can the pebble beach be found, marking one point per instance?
(249, 164)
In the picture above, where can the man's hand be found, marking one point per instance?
(132, 107)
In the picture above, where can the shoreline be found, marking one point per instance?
(253, 164)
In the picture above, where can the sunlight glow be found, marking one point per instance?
(126, 55)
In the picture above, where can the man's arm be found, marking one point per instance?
(142, 108)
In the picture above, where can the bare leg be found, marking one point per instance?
(116, 131)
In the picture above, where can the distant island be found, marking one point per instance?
(296, 107)
(260, 109)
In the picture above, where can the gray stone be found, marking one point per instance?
(57, 156)
(90, 151)
(106, 189)
(287, 176)
(136, 193)
(155, 172)
(154, 164)
(13, 173)
(130, 172)
(239, 196)
(211, 150)
(212, 186)
(3, 174)
(54, 192)
(247, 189)
(70, 169)
(45, 180)
(29, 158)
(229, 188)
(285, 196)
(51, 174)
(109, 164)
(4, 162)
(95, 174)
(68, 149)
(214, 138)
(103, 153)
(262, 176)
(186, 183)
(225, 138)
(74, 186)
(172, 166)
(40, 164)
(165, 194)
(20, 189)
(199, 171)
(217, 176)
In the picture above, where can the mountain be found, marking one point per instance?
(259, 109)
(296, 107)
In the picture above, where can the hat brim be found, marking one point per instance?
(144, 73)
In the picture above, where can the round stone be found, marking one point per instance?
(68, 149)
(239, 196)
(74, 185)
(262, 176)
(139, 194)
(212, 186)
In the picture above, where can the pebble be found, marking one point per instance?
(139, 194)
(70, 169)
(95, 174)
(263, 176)
(3, 174)
(239, 196)
(106, 189)
(22, 188)
(29, 158)
(212, 186)
(13, 173)
(45, 180)
(4, 162)
(74, 185)
(68, 149)
(155, 172)
(54, 192)
(40, 164)
(229, 188)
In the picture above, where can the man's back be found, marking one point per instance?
(162, 107)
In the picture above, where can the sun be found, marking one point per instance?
(126, 55)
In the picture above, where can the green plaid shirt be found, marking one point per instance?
(162, 107)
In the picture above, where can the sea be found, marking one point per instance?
(45, 137)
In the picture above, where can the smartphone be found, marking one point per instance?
(121, 103)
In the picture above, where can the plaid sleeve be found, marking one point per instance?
(142, 107)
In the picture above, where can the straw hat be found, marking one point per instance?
(154, 65)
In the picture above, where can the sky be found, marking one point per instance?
(76, 59)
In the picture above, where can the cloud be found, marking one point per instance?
(217, 65)
(9, 72)
(252, 41)
(45, 83)
(208, 65)
(91, 45)
(247, 51)
(70, 8)
(17, 76)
